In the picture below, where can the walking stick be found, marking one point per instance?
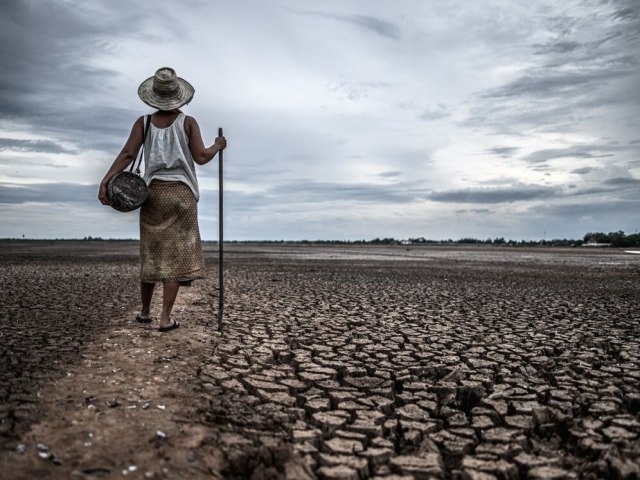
(220, 240)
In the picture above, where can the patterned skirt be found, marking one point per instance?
(170, 246)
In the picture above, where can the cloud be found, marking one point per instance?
(49, 193)
(390, 174)
(39, 146)
(434, 113)
(49, 81)
(623, 181)
(582, 171)
(477, 211)
(546, 83)
(381, 27)
(361, 108)
(511, 194)
(503, 152)
(325, 192)
(557, 47)
(578, 151)
(589, 64)
(614, 209)
(627, 10)
(355, 90)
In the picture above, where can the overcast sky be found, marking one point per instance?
(346, 119)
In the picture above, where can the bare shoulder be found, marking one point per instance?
(188, 120)
(190, 124)
(138, 126)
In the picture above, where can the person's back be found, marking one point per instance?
(170, 246)
(167, 153)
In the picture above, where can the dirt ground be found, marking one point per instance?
(332, 363)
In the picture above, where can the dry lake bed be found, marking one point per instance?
(332, 362)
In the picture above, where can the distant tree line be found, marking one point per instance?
(613, 239)
(556, 242)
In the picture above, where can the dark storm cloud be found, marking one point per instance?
(50, 193)
(375, 25)
(494, 195)
(573, 77)
(47, 81)
(627, 10)
(39, 146)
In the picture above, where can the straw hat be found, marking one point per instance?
(165, 90)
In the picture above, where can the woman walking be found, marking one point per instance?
(170, 246)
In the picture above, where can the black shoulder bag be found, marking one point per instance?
(127, 190)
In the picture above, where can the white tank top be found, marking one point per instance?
(167, 156)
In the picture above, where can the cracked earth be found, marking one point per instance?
(332, 363)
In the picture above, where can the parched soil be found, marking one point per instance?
(331, 363)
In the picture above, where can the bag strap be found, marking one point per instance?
(144, 138)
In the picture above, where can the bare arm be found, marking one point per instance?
(127, 155)
(201, 154)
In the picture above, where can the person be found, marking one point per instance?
(170, 246)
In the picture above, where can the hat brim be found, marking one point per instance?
(182, 97)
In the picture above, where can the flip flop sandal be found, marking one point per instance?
(140, 319)
(173, 326)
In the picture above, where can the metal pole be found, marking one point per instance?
(220, 239)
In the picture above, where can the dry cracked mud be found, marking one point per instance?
(332, 363)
